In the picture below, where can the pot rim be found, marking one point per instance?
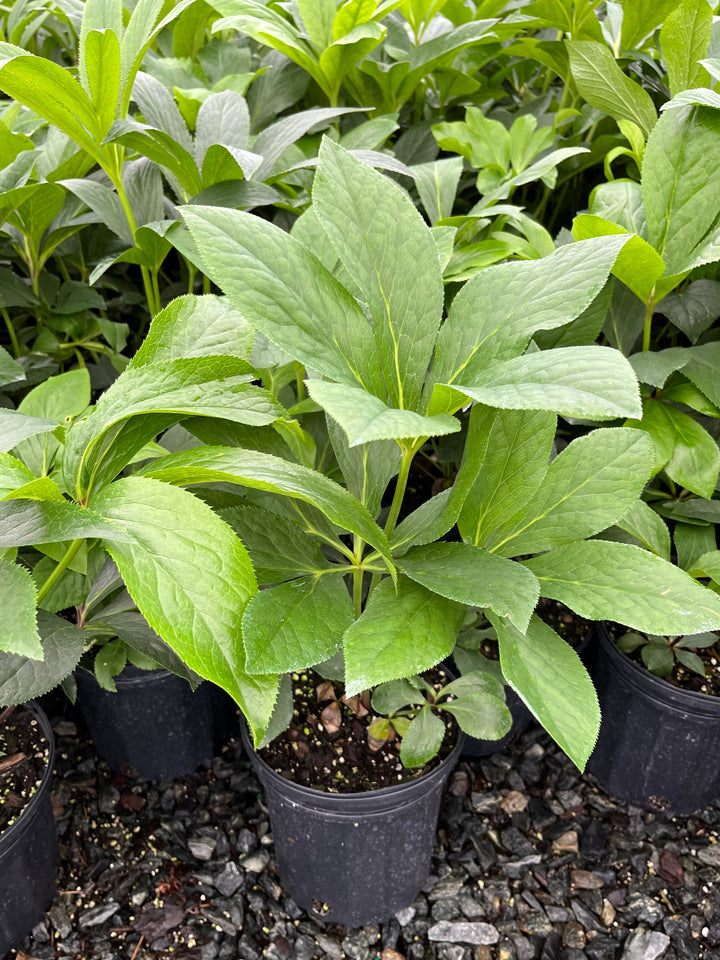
(438, 773)
(12, 834)
(650, 684)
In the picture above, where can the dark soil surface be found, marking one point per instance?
(326, 745)
(532, 861)
(681, 676)
(24, 756)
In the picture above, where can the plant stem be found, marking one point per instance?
(60, 569)
(647, 326)
(400, 486)
(11, 331)
(357, 575)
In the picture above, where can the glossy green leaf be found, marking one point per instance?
(13, 474)
(25, 678)
(617, 581)
(102, 62)
(520, 444)
(593, 382)
(548, 676)
(592, 484)
(134, 630)
(297, 624)
(641, 18)
(602, 84)
(265, 472)
(60, 398)
(365, 418)
(389, 252)
(681, 175)
(377, 646)
(286, 294)
(468, 574)
(480, 707)
(422, 739)
(649, 529)
(18, 629)
(191, 583)
(496, 313)
(29, 522)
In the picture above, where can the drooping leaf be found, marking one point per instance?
(548, 676)
(191, 583)
(25, 678)
(617, 581)
(297, 624)
(18, 629)
(468, 574)
(377, 645)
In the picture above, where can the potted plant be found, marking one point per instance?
(388, 373)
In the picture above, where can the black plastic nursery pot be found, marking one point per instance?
(155, 727)
(658, 743)
(28, 857)
(353, 858)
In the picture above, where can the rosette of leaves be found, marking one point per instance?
(388, 372)
(69, 497)
(660, 654)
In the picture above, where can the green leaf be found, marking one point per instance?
(592, 484)
(25, 678)
(18, 630)
(496, 313)
(191, 583)
(30, 522)
(105, 203)
(110, 660)
(548, 676)
(193, 386)
(468, 574)
(296, 624)
(642, 523)
(692, 542)
(13, 474)
(695, 308)
(394, 695)
(392, 258)
(702, 369)
(618, 581)
(520, 444)
(422, 740)
(10, 370)
(51, 91)
(134, 630)
(285, 293)
(365, 418)
(686, 451)
(593, 382)
(480, 710)
(222, 119)
(59, 398)
(685, 37)
(654, 367)
(278, 548)
(691, 660)
(69, 591)
(657, 657)
(681, 178)
(196, 327)
(641, 18)
(102, 61)
(376, 645)
(603, 85)
(437, 184)
(261, 471)
(367, 470)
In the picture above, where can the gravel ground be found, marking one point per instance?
(531, 861)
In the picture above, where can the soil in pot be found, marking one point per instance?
(349, 857)
(657, 742)
(155, 727)
(28, 840)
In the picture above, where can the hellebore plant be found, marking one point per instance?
(389, 373)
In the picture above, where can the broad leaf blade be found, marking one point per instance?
(24, 678)
(376, 646)
(548, 676)
(296, 624)
(463, 572)
(617, 581)
(18, 628)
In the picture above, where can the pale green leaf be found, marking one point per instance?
(297, 624)
(391, 255)
(365, 418)
(367, 470)
(30, 522)
(468, 574)
(191, 582)
(60, 398)
(400, 633)
(18, 627)
(685, 37)
(617, 581)
(642, 523)
(548, 676)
